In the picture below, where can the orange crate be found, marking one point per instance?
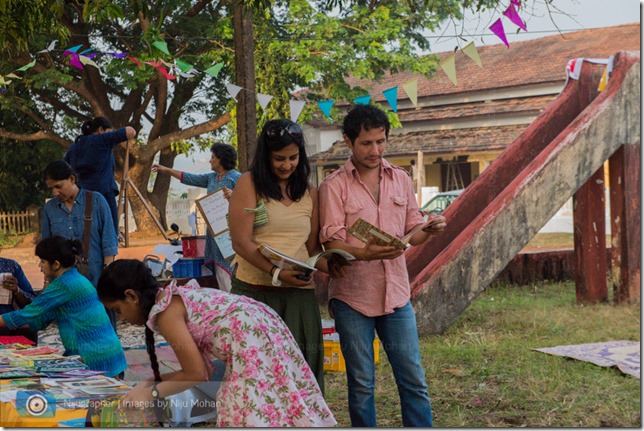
(333, 359)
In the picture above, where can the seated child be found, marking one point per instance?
(72, 301)
(267, 381)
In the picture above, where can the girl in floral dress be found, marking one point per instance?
(267, 382)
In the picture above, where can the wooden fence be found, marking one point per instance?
(16, 222)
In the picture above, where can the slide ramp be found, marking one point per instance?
(500, 212)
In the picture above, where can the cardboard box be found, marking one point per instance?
(333, 359)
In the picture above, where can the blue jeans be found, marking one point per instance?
(399, 336)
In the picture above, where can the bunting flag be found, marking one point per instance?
(161, 46)
(87, 61)
(362, 100)
(135, 61)
(449, 67)
(233, 90)
(325, 107)
(50, 48)
(602, 81)
(27, 66)
(159, 67)
(3, 82)
(74, 60)
(411, 88)
(13, 75)
(118, 55)
(263, 100)
(513, 16)
(515, 3)
(296, 109)
(183, 66)
(391, 94)
(471, 52)
(214, 70)
(73, 49)
(497, 29)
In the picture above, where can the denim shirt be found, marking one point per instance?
(58, 220)
(212, 182)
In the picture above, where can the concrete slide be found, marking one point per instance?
(500, 212)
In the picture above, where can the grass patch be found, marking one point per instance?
(482, 372)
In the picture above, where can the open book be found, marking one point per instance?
(364, 231)
(283, 261)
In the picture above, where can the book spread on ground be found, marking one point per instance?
(364, 231)
(283, 261)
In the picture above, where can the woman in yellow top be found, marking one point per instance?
(275, 204)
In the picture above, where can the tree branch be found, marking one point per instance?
(158, 144)
(37, 136)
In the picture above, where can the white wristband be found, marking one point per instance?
(276, 280)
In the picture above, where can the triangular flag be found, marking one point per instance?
(513, 16)
(74, 48)
(118, 55)
(74, 60)
(391, 94)
(497, 28)
(296, 109)
(263, 100)
(411, 88)
(27, 66)
(602, 81)
(13, 75)
(160, 68)
(516, 3)
(471, 52)
(214, 70)
(233, 90)
(449, 67)
(362, 100)
(3, 82)
(135, 61)
(325, 107)
(161, 46)
(182, 65)
(51, 47)
(86, 50)
(86, 60)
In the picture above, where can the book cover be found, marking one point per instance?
(364, 231)
(283, 261)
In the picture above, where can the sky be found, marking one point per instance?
(572, 15)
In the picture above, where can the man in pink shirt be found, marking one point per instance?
(374, 294)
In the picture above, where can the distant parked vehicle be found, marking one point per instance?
(438, 203)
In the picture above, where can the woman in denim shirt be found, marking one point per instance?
(64, 215)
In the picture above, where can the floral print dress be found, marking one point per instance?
(267, 382)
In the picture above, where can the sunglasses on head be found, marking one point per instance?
(277, 131)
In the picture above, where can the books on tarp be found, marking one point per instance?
(283, 261)
(364, 231)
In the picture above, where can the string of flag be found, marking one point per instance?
(178, 68)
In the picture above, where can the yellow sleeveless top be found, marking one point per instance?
(287, 230)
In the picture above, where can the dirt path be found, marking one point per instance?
(23, 253)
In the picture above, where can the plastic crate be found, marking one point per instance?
(193, 246)
(184, 268)
(333, 359)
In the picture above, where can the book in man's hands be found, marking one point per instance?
(364, 231)
(283, 261)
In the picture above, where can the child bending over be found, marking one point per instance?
(267, 382)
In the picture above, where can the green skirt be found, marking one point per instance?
(300, 311)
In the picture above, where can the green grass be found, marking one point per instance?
(482, 372)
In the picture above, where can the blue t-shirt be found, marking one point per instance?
(83, 324)
(58, 220)
(93, 160)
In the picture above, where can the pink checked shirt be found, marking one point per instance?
(376, 287)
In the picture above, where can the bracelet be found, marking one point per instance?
(273, 268)
(276, 280)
